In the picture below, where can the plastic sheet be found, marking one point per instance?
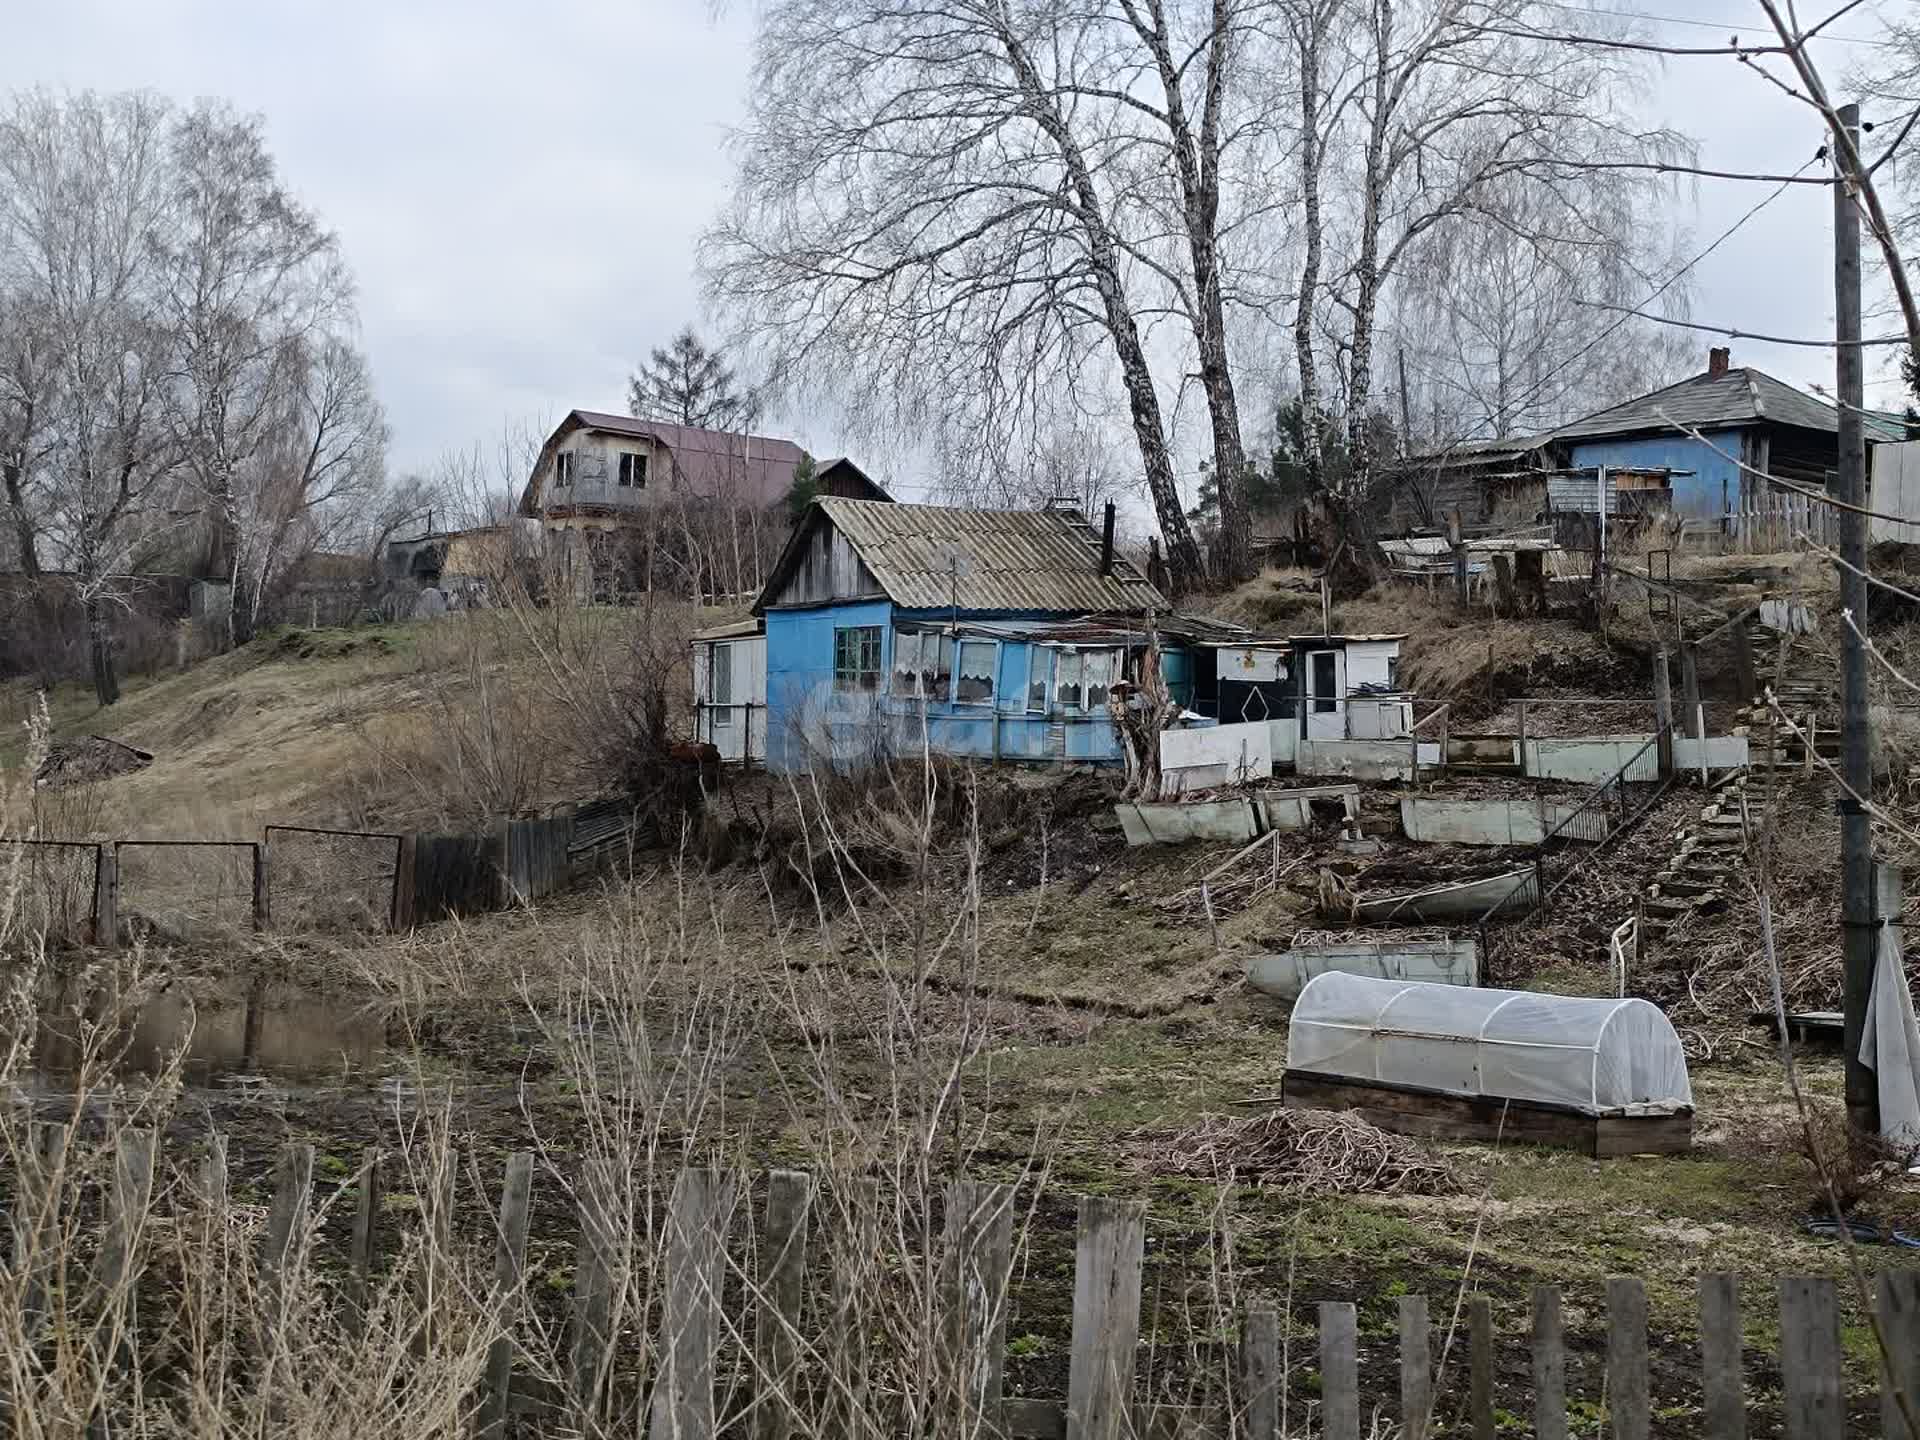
(1595, 1054)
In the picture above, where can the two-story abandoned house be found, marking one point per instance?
(646, 504)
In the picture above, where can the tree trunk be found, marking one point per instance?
(1310, 457)
(1185, 566)
(27, 543)
(106, 682)
(1198, 167)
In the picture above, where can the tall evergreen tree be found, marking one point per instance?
(685, 383)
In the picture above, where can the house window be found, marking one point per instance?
(856, 657)
(922, 665)
(720, 685)
(633, 471)
(978, 661)
(1066, 680)
(1039, 662)
(563, 469)
(1099, 678)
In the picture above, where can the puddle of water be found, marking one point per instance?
(281, 1032)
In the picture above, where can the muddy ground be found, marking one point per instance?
(1099, 1018)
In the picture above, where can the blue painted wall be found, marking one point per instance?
(802, 705)
(1712, 490)
(807, 720)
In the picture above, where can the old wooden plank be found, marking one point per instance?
(435, 1276)
(116, 1267)
(509, 1267)
(588, 1358)
(1549, 1365)
(783, 1263)
(1480, 1366)
(1106, 1317)
(1339, 1370)
(262, 886)
(106, 897)
(293, 1183)
(1722, 1394)
(1628, 1404)
(694, 1266)
(1810, 1358)
(1897, 1302)
(979, 1254)
(1260, 1374)
(36, 1216)
(1461, 1117)
(1416, 1368)
(363, 1254)
(1048, 1420)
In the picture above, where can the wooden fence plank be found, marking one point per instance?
(441, 1176)
(1106, 1317)
(783, 1268)
(1260, 1374)
(293, 1182)
(587, 1355)
(1722, 1392)
(1480, 1365)
(1628, 1405)
(1339, 1370)
(979, 1255)
(363, 1256)
(1898, 1297)
(1416, 1368)
(36, 1216)
(694, 1266)
(1810, 1358)
(1549, 1365)
(509, 1267)
(127, 1206)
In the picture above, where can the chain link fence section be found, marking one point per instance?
(48, 886)
(188, 889)
(323, 879)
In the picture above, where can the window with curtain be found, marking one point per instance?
(1066, 679)
(856, 657)
(1099, 678)
(906, 664)
(978, 660)
(1039, 668)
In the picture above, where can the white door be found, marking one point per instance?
(726, 716)
(1325, 698)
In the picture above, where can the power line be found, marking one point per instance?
(1662, 288)
(1734, 334)
(1718, 26)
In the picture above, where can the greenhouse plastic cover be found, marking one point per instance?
(1597, 1055)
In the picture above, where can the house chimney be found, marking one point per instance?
(1106, 543)
(1717, 360)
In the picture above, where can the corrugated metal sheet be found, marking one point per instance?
(1742, 396)
(1027, 560)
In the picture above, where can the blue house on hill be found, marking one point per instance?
(997, 634)
(1702, 450)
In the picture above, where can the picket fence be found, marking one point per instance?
(977, 1262)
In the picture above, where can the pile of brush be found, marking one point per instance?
(1332, 1152)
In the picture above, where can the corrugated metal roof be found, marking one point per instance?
(1740, 396)
(738, 630)
(1045, 560)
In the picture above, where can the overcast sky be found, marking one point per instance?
(519, 188)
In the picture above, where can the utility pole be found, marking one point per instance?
(1856, 840)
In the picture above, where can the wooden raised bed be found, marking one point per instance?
(1408, 1110)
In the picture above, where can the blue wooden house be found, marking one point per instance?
(1700, 450)
(997, 634)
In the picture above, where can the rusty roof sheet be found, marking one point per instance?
(1022, 560)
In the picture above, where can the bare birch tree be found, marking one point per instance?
(85, 196)
(924, 213)
(252, 283)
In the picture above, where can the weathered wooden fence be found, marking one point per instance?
(299, 877)
(716, 1304)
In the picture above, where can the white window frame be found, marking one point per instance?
(1041, 655)
(633, 470)
(720, 712)
(993, 677)
(563, 470)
